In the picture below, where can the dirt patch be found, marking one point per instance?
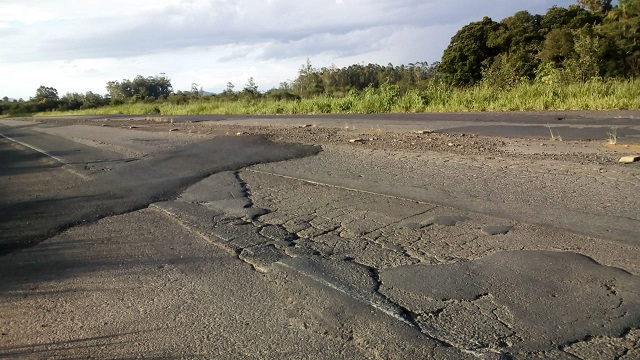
(591, 152)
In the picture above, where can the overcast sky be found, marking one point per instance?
(79, 45)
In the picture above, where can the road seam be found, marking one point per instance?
(338, 187)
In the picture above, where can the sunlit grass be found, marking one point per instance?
(593, 95)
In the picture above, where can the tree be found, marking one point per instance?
(250, 90)
(119, 91)
(92, 100)
(71, 101)
(285, 85)
(309, 81)
(519, 38)
(558, 46)
(250, 86)
(462, 61)
(46, 93)
(574, 17)
(586, 63)
(141, 88)
(621, 30)
(516, 32)
(195, 90)
(504, 71)
(46, 98)
(596, 6)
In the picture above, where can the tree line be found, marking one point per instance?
(147, 89)
(589, 40)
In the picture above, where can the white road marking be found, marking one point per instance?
(66, 166)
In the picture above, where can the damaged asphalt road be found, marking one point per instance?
(132, 184)
(237, 247)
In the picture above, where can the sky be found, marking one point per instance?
(80, 45)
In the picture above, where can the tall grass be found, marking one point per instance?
(593, 95)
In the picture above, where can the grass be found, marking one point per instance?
(613, 136)
(375, 131)
(593, 95)
(159, 119)
(556, 136)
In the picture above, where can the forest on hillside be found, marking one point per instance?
(590, 42)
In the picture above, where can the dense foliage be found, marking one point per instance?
(589, 42)
(148, 89)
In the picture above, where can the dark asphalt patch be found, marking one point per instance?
(134, 185)
(545, 292)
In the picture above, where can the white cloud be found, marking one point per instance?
(78, 45)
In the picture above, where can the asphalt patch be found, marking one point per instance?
(135, 185)
(553, 298)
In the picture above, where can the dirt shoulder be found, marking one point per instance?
(391, 137)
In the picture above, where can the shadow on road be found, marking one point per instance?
(48, 350)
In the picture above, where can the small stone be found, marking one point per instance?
(424, 132)
(356, 140)
(306, 126)
(174, 129)
(629, 159)
(241, 133)
(133, 127)
(450, 144)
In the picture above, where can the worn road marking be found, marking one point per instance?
(65, 164)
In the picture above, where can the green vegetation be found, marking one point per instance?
(593, 95)
(584, 57)
(590, 40)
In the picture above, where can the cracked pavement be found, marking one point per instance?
(354, 252)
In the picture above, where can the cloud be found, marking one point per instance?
(214, 41)
(276, 24)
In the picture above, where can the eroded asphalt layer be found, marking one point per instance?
(121, 185)
(488, 286)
